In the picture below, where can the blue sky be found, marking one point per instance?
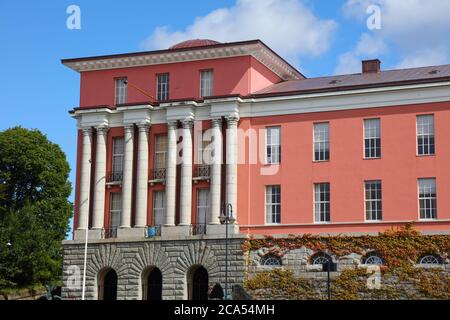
(319, 37)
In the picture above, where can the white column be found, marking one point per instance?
(142, 177)
(85, 180)
(171, 171)
(100, 179)
(127, 183)
(216, 172)
(186, 175)
(231, 191)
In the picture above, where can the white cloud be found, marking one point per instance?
(287, 26)
(417, 29)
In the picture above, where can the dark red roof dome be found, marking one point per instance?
(194, 43)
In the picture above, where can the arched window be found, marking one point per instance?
(152, 284)
(372, 258)
(107, 285)
(271, 260)
(430, 259)
(198, 283)
(320, 258)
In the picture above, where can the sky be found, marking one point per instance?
(319, 37)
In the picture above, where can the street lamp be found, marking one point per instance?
(226, 217)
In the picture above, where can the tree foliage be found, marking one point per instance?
(34, 208)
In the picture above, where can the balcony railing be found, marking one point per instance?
(197, 229)
(159, 174)
(202, 171)
(109, 233)
(114, 176)
(153, 231)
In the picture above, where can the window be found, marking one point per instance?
(160, 151)
(271, 260)
(320, 258)
(159, 207)
(204, 149)
(427, 198)
(202, 205)
(322, 202)
(121, 90)
(273, 204)
(372, 258)
(430, 259)
(162, 87)
(372, 138)
(425, 135)
(117, 159)
(321, 142)
(206, 83)
(373, 202)
(273, 147)
(115, 210)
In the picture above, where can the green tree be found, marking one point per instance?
(34, 208)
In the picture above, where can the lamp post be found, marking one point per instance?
(226, 218)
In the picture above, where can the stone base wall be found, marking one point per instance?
(130, 259)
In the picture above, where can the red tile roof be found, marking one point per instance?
(359, 80)
(194, 43)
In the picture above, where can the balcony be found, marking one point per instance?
(198, 229)
(153, 231)
(114, 177)
(109, 233)
(159, 176)
(202, 172)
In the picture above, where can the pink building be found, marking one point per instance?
(167, 139)
(352, 153)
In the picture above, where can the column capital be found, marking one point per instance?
(144, 127)
(87, 131)
(172, 125)
(232, 120)
(188, 124)
(216, 122)
(102, 129)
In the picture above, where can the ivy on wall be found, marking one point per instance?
(400, 249)
(397, 246)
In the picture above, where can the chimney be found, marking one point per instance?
(371, 66)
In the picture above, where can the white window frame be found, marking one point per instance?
(116, 156)
(373, 202)
(120, 89)
(321, 203)
(372, 133)
(269, 191)
(159, 211)
(427, 198)
(158, 152)
(426, 131)
(275, 146)
(206, 83)
(202, 207)
(162, 87)
(321, 141)
(115, 198)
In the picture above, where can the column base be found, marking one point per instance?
(130, 233)
(170, 231)
(93, 234)
(220, 230)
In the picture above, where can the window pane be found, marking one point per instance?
(373, 200)
(425, 135)
(372, 138)
(160, 151)
(206, 83)
(273, 147)
(159, 207)
(322, 202)
(162, 87)
(427, 198)
(202, 205)
(115, 209)
(273, 204)
(321, 142)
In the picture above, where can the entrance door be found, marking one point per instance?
(154, 285)
(199, 287)
(110, 285)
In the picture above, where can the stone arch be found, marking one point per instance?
(150, 255)
(106, 256)
(197, 253)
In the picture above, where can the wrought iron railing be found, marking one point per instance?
(114, 176)
(202, 170)
(109, 233)
(199, 228)
(159, 174)
(153, 231)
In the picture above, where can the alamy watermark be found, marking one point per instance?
(73, 21)
(373, 22)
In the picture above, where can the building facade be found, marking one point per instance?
(170, 141)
